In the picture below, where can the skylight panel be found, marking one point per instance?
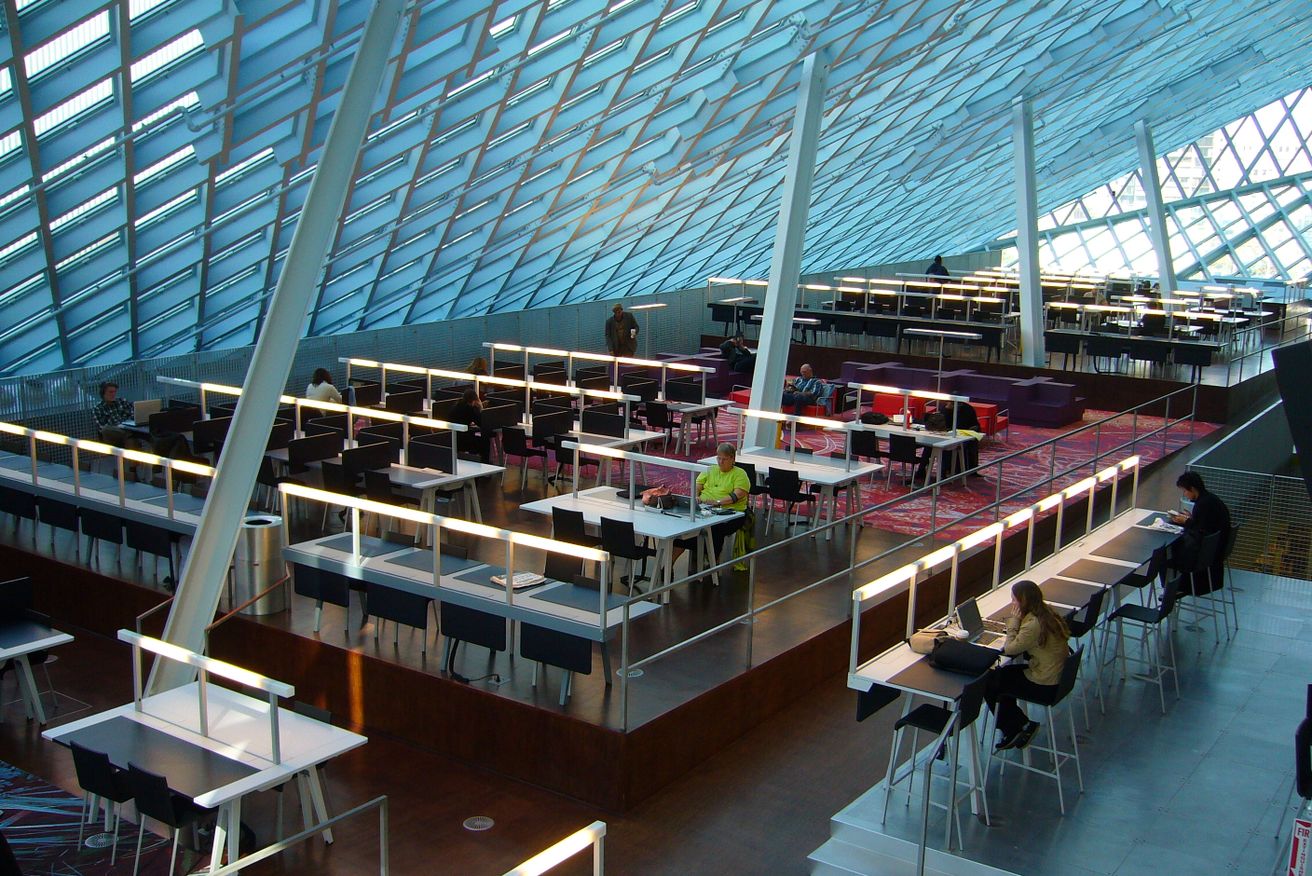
(73, 163)
(550, 41)
(13, 249)
(472, 83)
(676, 14)
(180, 157)
(142, 8)
(501, 138)
(526, 93)
(604, 51)
(167, 208)
(187, 101)
(11, 199)
(189, 43)
(97, 94)
(264, 156)
(503, 27)
(88, 252)
(67, 44)
(106, 197)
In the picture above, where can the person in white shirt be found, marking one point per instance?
(321, 387)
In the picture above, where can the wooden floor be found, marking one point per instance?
(760, 806)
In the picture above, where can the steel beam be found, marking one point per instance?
(1152, 188)
(1027, 236)
(790, 235)
(211, 549)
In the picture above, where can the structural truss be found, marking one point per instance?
(154, 154)
(1238, 205)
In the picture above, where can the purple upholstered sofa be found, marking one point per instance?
(1041, 402)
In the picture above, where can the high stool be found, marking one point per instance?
(1080, 627)
(941, 722)
(1150, 621)
(1070, 670)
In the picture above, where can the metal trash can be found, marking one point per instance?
(257, 564)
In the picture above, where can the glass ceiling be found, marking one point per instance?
(154, 154)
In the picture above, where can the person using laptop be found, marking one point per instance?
(723, 485)
(1039, 633)
(110, 414)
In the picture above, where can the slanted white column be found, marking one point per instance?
(1152, 188)
(211, 550)
(790, 235)
(1027, 236)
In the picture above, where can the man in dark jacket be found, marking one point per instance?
(621, 332)
(1209, 516)
(937, 270)
(741, 359)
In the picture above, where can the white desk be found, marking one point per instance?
(428, 481)
(937, 442)
(19, 639)
(829, 473)
(663, 527)
(688, 410)
(238, 731)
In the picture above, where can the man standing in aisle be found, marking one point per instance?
(937, 270)
(621, 332)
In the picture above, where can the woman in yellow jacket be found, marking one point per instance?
(1035, 630)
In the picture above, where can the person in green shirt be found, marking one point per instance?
(723, 485)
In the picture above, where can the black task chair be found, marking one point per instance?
(618, 539)
(757, 488)
(157, 541)
(1081, 624)
(570, 526)
(153, 799)
(336, 479)
(99, 527)
(1196, 584)
(515, 443)
(99, 779)
(785, 485)
(659, 420)
(941, 723)
(1150, 620)
(905, 450)
(1049, 702)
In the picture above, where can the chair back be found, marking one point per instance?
(1070, 670)
(972, 697)
(378, 487)
(749, 469)
(513, 442)
(1156, 564)
(1208, 549)
(617, 537)
(568, 525)
(865, 444)
(783, 483)
(151, 795)
(902, 448)
(1093, 609)
(658, 415)
(97, 775)
(337, 480)
(1230, 538)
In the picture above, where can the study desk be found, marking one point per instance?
(687, 411)
(829, 473)
(565, 608)
(635, 438)
(938, 444)
(664, 527)
(18, 639)
(220, 768)
(429, 481)
(141, 502)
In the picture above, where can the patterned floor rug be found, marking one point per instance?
(40, 823)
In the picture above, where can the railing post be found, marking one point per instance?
(1097, 447)
(1052, 466)
(1134, 428)
(383, 838)
(751, 608)
(624, 664)
(997, 495)
(1166, 424)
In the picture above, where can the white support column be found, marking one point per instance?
(1027, 236)
(790, 235)
(1152, 188)
(206, 570)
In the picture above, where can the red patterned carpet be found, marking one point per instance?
(1024, 467)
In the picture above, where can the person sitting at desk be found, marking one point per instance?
(803, 391)
(1208, 516)
(321, 387)
(469, 412)
(110, 413)
(723, 485)
(1035, 630)
(741, 359)
(967, 422)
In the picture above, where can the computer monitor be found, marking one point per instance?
(368, 457)
(408, 402)
(142, 410)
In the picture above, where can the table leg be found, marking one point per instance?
(855, 504)
(472, 489)
(31, 699)
(222, 827)
(316, 796)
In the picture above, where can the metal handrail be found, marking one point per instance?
(379, 803)
(233, 611)
(854, 564)
(148, 612)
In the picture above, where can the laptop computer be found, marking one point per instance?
(142, 411)
(969, 617)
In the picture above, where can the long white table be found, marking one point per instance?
(829, 473)
(238, 744)
(664, 527)
(388, 566)
(687, 411)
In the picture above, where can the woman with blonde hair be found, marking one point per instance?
(1038, 632)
